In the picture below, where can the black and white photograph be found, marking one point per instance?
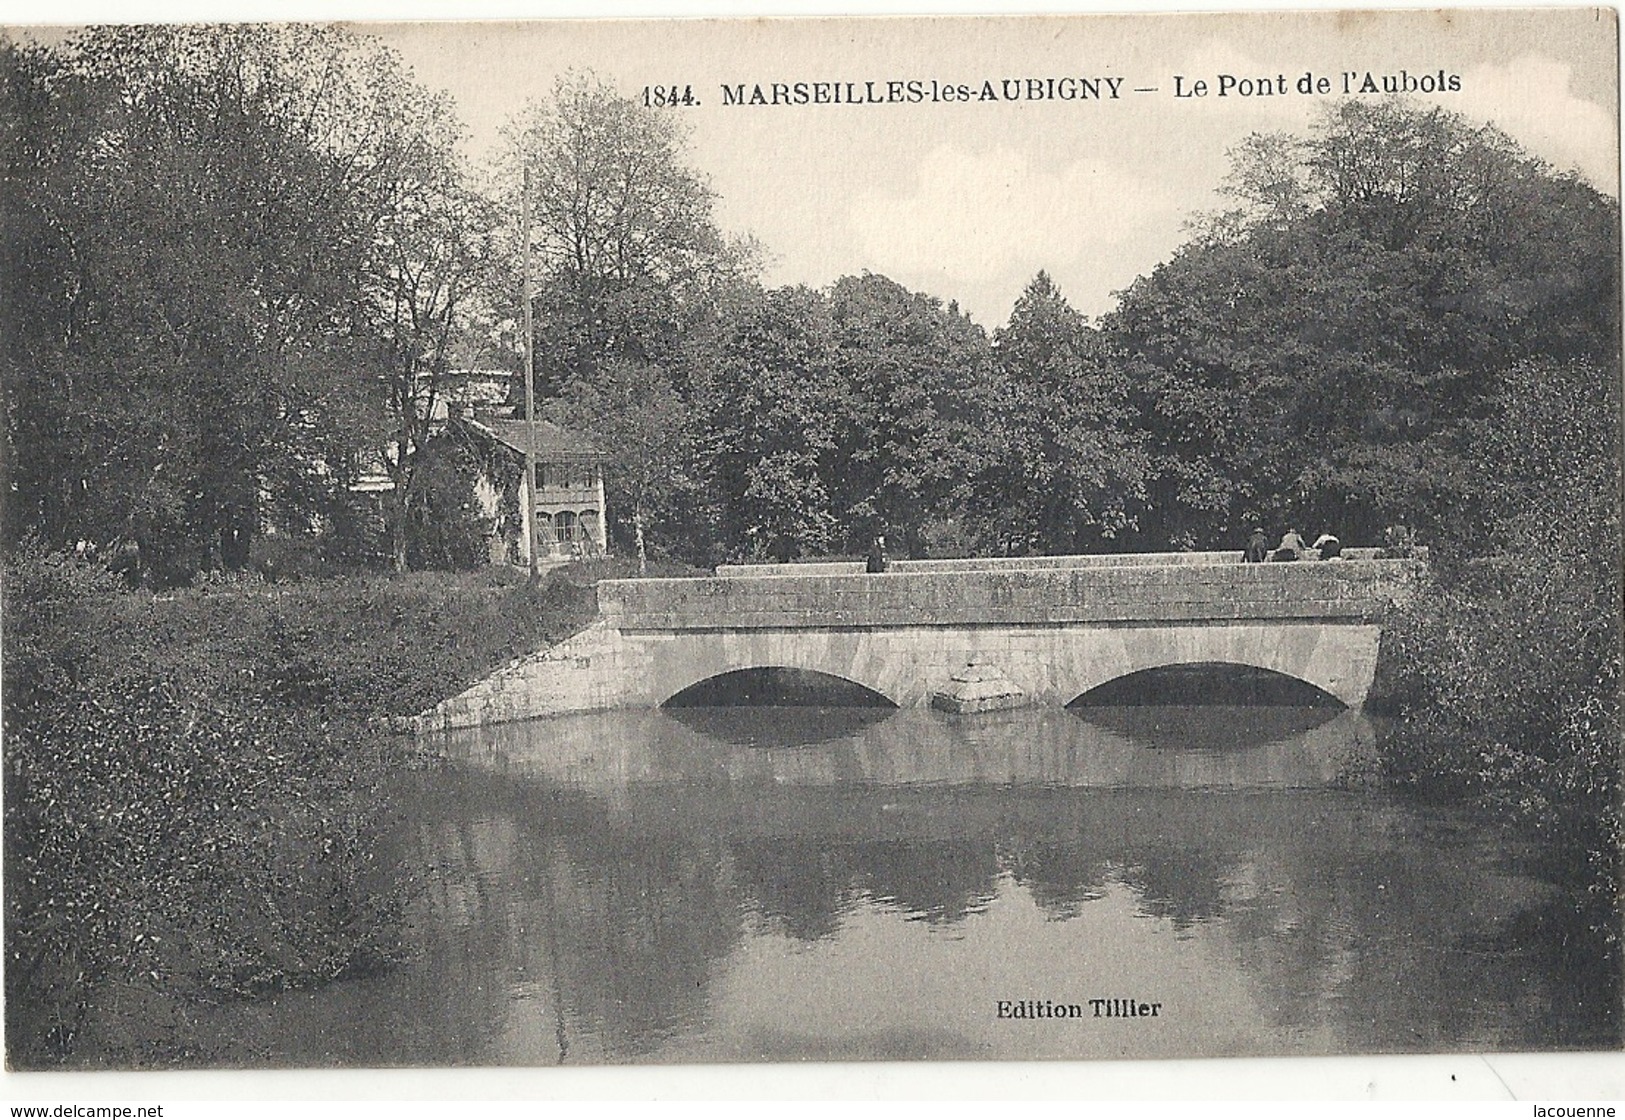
(656, 542)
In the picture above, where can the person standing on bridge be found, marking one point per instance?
(1258, 547)
(877, 556)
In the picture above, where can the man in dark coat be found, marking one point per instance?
(877, 556)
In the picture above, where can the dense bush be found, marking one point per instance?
(1503, 673)
(194, 783)
(355, 535)
(1505, 687)
(159, 838)
(1506, 680)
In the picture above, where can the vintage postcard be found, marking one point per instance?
(620, 542)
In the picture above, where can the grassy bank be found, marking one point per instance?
(193, 785)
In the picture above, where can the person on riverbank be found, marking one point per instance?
(877, 560)
(1258, 548)
(1329, 547)
(1290, 548)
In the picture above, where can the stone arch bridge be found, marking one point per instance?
(1057, 627)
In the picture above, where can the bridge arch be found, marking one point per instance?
(681, 663)
(779, 686)
(1207, 682)
(1335, 659)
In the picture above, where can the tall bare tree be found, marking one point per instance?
(628, 249)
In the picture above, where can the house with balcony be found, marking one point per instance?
(565, 497)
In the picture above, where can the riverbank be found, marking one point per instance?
(1501, 681)
(193, 805)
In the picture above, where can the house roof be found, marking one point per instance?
(553, 443)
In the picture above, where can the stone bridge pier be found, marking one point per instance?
(1056, 627)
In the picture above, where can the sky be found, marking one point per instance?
(969, 201)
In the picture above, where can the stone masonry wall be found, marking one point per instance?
(1010, 563)
(1057, 632)
(1341, 590)
(583, 673)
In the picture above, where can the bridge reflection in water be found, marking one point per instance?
(1236, 747)
(775, 884)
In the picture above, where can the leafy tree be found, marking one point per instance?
(1270, 179)
(632, 274)
(1317, 358)
(1547, 465)
(913, 429)
(829, 416)
(628, 250)
(194, 217)
(1071, 475)
(636, 415)
(771, 408)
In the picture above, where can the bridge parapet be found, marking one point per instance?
(1344, 591)
(1012, 563)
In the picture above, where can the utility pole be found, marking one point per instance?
(529, 490)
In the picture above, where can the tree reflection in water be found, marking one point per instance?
(660, 890)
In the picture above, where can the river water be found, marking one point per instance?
(770, 883)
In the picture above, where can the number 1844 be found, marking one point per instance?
(661, 97)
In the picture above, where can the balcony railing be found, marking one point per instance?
(567, 495)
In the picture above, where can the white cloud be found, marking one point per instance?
(987, 221)
(1529, 98)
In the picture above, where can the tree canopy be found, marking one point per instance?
(628, 249)
(239, 260)
(1320, 354)
(1072, 473)
(195, 219)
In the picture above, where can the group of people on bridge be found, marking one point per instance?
(1326, 547)
(1258, 551)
